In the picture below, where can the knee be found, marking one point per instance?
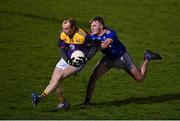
(56, 80)
(139, 78)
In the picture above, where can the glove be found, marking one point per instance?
(81, 60)
(71, 61)
(78, 62)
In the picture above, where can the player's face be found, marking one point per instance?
(67, 28)
(96, 27)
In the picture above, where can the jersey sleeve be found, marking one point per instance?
(91, 45)
(62, 48)
(61, 42)
(87, 40)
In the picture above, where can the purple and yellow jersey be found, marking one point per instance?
(116, 48)
(79, 41)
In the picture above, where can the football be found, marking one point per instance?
(76, 54)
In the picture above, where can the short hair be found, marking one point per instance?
(71, 21)
(99, 19)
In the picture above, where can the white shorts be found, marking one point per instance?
(62, 64)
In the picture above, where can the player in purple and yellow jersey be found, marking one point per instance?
(115, 56)
(71, 39)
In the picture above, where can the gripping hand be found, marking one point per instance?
(77, 62)
(81, 60)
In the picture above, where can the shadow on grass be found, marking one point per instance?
(29, 15)
(135, 100)
(32, 16)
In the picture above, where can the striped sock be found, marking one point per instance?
(61, 99)
(43, 95)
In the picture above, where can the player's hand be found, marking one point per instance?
(71, 61)
(81, 60)
(78, 62)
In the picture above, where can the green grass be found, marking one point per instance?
(28, 50)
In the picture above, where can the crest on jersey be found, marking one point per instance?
(72, 46)
(108, 32)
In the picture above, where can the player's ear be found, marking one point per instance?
(101, 26)
(73, 28)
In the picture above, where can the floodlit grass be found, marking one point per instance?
(28, 50)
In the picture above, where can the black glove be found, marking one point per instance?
(78, 62)
(71, 61)
(81, 60)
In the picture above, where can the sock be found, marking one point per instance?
(43, 95)
(61, 99)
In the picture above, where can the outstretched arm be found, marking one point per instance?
(91, 46)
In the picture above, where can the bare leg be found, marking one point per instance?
(58, 75)
(99, 70)
(60, 94)
(137, 74)
(144, 67)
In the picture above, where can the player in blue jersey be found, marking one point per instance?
(115, 56)
(71, 39)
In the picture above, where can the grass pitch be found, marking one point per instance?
(28, 53)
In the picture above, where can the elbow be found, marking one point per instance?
(103, 46)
